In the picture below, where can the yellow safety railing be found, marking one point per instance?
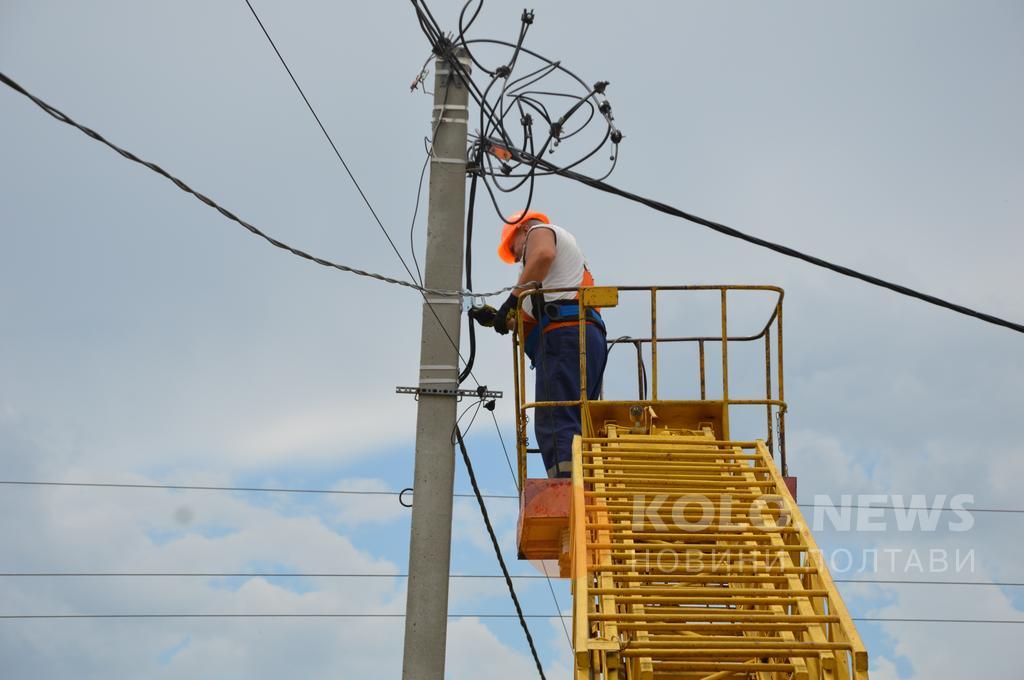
(774, 394)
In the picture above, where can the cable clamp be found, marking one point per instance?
(449, 392)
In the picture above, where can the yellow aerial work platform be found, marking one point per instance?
(688, 555)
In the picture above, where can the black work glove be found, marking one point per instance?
(483, 315)
(506, 312)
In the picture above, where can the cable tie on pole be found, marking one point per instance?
(401, 497)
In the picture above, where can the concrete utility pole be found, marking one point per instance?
(426, 610)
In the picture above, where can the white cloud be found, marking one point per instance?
(882, 668)
(939, 650)
(141, 333)
(66, 529)
(367, 509)
(473, 648)
(341, 431)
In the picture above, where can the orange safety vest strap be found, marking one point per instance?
(587, 282)
(530, 323)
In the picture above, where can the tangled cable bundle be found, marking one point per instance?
(530, 108)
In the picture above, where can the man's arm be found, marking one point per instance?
(538, 257)
(541, 248)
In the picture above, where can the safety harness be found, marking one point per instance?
(558, 311)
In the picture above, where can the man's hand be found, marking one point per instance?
(483, 315)
(505, 313)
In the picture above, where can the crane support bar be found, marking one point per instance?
(687, 569)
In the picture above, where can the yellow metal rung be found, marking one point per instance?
(740, 596)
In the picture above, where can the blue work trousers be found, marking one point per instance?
(558, 379)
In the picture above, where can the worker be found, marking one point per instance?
(548, 254)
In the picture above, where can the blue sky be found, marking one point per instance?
(145, 339)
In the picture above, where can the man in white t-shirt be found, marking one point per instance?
(549, 254)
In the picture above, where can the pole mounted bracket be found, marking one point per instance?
(481, 392)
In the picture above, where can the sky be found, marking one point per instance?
(145, 339)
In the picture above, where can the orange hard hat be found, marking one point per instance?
(512, 222)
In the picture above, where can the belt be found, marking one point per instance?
(556, 312)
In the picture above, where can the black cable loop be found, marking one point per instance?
(401, 497)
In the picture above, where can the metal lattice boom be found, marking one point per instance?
(690, 559)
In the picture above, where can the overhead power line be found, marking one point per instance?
(875, 619)
(367, 492)
(315, 574)
(362, 194)
(527, 156)
(237, 574)
(347, 615)
(385, 615)
(598, 184)
(254, 489)
(770, 245)
(551, 588)
(330, 141)
(64, 118)
(196, 487)
(536, 161)
(497, 549)
(840, 506)
(879, 581)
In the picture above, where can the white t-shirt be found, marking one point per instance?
(567, 270)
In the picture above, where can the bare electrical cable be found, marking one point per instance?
(64, 118)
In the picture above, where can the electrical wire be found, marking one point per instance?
(231, 574)
(504, 450)
(471, 211)
(476, 405)
(904, 620)
(551, 587)
(844, 506)
(64, 118)
(380, 615)
(359, 492)
(250, 574)
(642, 378)
(255, 489)
(419, 186)
(516, 94)
(458, 438)
(497, 550)
(770, 245)
(330, 141)
(537, 162)
(415, 211)
(531, 176)
(468, 267)
(366, 200)
(353, 615)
